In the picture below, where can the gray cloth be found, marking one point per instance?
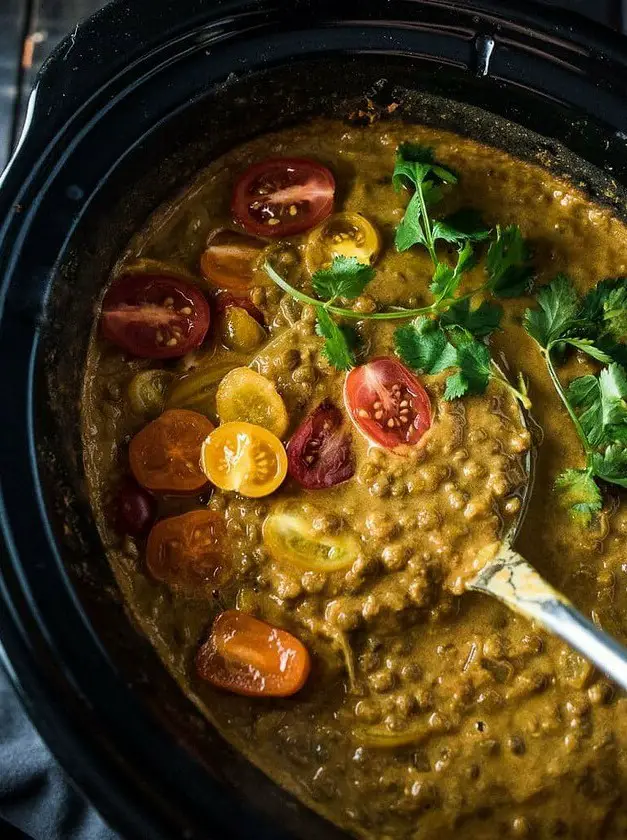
(35, 796)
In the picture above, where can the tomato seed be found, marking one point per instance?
(293, 209)
(186, 310)
(378, 405)
(169, 302)
(363, 413)
(378, 415)
(404, 403)
(404, 418)
(172, 342)
(159, 337)
(274, 221)
(391, 423)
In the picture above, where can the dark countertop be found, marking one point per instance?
(34, 794)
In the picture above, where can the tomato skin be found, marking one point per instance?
(249, 657)
(225, 300)
(345, 234)
(189, 552)
(154, 316)
(264, 195)
(387, 388)
(319, 452)
(165, 454)
(135, 509)
(230, 260)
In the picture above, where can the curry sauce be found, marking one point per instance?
(428, 711)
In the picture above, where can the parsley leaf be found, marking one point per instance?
(411, 230)
(480, 322)
(507, 263)
(340, 342)
(586, 345)
(606, 306)
(424, 346)
(611, 465)
(557, 313)
(463, 226)
(346, 277)
(579, 493)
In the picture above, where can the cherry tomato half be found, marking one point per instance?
(189, 552)
(165, 454)
(225, 301)
(230, 260)
(247, 656)
(283, 196)
(154, 317)
(134, 509)
(342, 235)
(319, 452)
(387, 403)
(244, 457)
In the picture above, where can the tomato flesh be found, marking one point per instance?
(387, 403)
(225, 301)
(154, 317)
(283, 196)
(189, 552)
(319, 452)
(249, 657)
(245, 458)
(165, 454)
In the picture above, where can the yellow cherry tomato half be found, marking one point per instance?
(289, 534)
(246, 395)
(342, 235)
(245, 458)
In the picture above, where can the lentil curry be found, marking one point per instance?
(320, 502)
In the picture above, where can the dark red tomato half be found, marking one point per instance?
(283, 196)
(153, 316)
(225, 300)
(387, 403)
(319, 452)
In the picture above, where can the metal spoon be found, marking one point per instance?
(512, 580)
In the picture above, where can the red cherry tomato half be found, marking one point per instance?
(249, 657)
(387, 403)
(283, 196)
(319, 452)
(134, 509)
(225, 300)
(154, 316)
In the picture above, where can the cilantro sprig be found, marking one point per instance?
(596, 405)
(433, 346)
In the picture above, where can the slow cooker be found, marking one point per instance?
(126, 110)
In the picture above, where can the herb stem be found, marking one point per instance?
(546, 352)
(499, 376)
(427, 226)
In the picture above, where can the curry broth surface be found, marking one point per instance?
(461, 719)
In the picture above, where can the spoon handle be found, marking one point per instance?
(516, 583)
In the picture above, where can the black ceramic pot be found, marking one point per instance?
(125, 111)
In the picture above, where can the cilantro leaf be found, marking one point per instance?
(473, 358)
(586, 345)
(557, 313)
(613, 393)
(611, 465)
(424, 346)
(480, 322)
(584, 394)
(410, 230)
(346, 277)
(465, 225)
(446, 280)
(579, 493)
(456, 386)
(606, 307)
(340, 342)
(507, 263)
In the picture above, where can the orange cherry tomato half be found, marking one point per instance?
(247, 656)
(283, 196)
(189, 552)
(244, 457)
(387, 403)
(154, 317)
(165, 454)
(230, 260)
